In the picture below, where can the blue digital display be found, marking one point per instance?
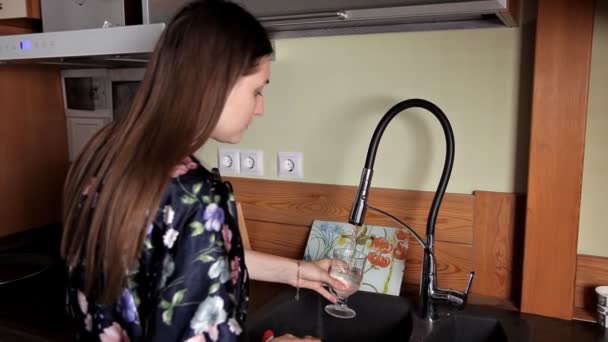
(26, 44)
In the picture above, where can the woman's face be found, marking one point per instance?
(244, 103)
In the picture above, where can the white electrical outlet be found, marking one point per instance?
(252, 162)
(229, 161)
(290, 165)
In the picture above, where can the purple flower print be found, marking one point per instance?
(214, 217)
(149, 229)
(126, 305)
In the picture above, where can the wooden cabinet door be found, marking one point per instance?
(10, 9)
(17, 9)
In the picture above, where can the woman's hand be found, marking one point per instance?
(291, 338)
(315, 274)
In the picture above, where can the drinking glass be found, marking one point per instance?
(347, 266)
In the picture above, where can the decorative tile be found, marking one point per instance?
(386, 249)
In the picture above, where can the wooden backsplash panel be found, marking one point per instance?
(498, 233)
(591, 271)
(478, 232)
(299, 203)
(277, 238)
(454, 262)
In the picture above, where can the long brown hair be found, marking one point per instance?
(124, 168)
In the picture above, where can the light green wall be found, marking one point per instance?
(593, 229)
(328, 93)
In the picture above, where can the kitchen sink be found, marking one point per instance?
(473, 324)
(384, 318)
(469, 329)
(379, 317)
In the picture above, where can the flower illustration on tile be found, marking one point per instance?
(170, 237)
(402, 234)
(209, 314)
(400, 251)
(354, 235)
(385, 256)
(378, 260)
(382, 245)
(214, 217)
(362, 237)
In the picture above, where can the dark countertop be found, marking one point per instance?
(33, 310)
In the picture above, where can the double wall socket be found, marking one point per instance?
(244, 162)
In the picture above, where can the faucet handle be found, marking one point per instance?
(466, 289)
(457, 298)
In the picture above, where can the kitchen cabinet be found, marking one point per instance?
(81, 130)
(19, 9)
(33, 148)
(95, 97)
(557, 144)
(20, 16)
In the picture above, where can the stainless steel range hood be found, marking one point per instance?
(287, 19)
(74, 42)
(105, 47)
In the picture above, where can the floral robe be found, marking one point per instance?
(190, 283)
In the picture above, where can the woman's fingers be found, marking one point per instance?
(323, 292)
(324, 277)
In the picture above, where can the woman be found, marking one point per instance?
(150, 236)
